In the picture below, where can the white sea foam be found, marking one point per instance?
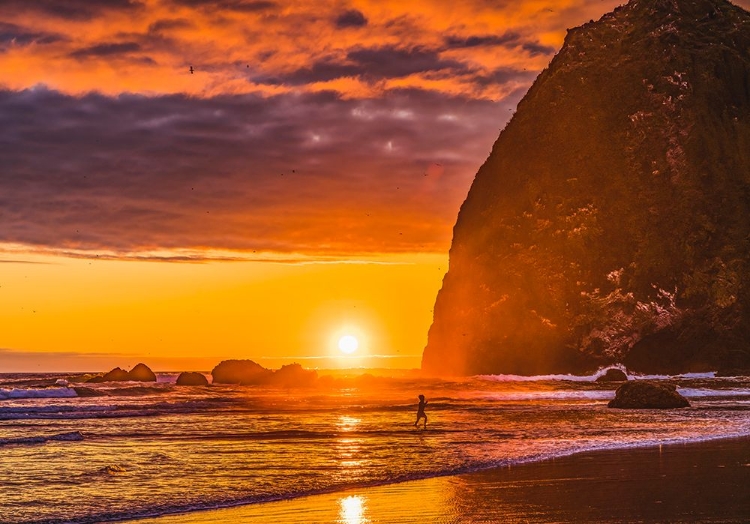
(551, 395)
(553, 377)
(685, 376)
(705, 392)
(19, 393)
(592, 378)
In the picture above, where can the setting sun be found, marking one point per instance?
(348, 344)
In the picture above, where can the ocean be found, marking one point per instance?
(82, 453)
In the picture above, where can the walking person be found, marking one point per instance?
(420, 412)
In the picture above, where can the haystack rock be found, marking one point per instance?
(192, 378)
(611, 221)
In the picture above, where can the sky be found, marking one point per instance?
(299, 184)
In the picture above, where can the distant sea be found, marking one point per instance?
(84, 453)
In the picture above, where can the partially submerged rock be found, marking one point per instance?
(648, 395)
(613, 375)
(191, 378)
(140, 373)
(239, 372)
(293, 376)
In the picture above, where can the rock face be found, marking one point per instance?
(648, 395)
(239, 372)
(190, 378)
(611, 222)
(613, 375)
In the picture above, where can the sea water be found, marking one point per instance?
(74, 452)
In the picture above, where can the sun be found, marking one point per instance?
(348, 344)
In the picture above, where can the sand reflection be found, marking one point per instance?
(352, 510)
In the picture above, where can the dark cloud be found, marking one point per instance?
(321, 71)
(169, 24)
(509, 39)
(69, 9)
(538, 49)
(107, 49)
(12, 34)
(504, 75)
(291, 173)
(459, 42)
(244, 6)
(389, 61)
(351, 18)
(372, 64)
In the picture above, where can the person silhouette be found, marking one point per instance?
(420, 411)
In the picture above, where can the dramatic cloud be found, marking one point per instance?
(316, 128)
(76, 10)
(312, 174)
(13, 35)
(107, 50)
(267, 47)
(351, 18)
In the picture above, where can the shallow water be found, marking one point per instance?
(127, 450)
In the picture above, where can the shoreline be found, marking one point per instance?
(703, 481)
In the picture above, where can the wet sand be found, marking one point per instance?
(700, 482)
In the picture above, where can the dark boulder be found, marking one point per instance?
(293, 376)
(116, 375)
(648, 395)
(141, 373)
(613, 375)
(191, 378)
(239, 372)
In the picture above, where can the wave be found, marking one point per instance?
(709, 393)
(551, 395)
(20, 393)
(594, 376)
(230, 501)
(552, 377)
(132, 391)
(71, 436)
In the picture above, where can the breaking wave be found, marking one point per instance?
(64, 392)
(71, 436)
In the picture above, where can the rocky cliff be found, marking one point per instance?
(611, 221)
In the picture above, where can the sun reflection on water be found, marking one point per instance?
(346, 423)
(353, 510)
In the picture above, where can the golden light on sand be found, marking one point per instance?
(352, 510)
(348, 344)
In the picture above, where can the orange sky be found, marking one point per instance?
(301, 184)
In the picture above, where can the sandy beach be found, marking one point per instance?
(698, 482)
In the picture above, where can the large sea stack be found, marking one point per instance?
(611, 222)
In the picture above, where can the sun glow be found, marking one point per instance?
(348, 344)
